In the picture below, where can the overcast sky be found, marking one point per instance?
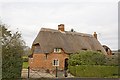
(84, 16)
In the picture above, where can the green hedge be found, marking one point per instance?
(111, 60)
(94, 71)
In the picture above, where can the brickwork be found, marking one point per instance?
(43, 61)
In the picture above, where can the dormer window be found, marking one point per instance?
(84, 49)
(99, 50)
(57, 50)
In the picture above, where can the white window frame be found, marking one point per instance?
(57, 50)
(55, 64)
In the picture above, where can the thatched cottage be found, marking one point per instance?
(52, 48)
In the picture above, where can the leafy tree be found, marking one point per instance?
(12, 49)
(27, 51)
(87, 58)
(0, 54)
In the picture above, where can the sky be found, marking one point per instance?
(85, 16)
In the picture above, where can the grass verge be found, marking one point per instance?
(25, 65)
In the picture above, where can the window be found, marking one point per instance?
(57, 50)
(99, 50)
(36, 49)
(56, 62)
(84, 49)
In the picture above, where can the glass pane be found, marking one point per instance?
(55, 63)
(57, 50)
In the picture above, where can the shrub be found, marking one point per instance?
(25, 59)
(87, 58)
(94, 71)
(111, 60)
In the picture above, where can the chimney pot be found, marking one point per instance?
(61, 27)
(95, 35)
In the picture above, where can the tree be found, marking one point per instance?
(12, 49)
(87, 58)
(27, 51)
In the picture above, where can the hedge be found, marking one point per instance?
(94, 71)
(111, 60)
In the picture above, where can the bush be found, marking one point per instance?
(87, 58)
(94, 71)
(25, 59)
(111, 60)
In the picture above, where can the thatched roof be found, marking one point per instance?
(70, 42)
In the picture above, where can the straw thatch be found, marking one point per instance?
(70, 42)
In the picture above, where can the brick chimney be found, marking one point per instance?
(61, 27)
(95, 35)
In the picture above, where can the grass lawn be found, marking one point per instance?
(25, 57)
(25, 65)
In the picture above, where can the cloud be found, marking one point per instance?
(85, 17)
(59, 1)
